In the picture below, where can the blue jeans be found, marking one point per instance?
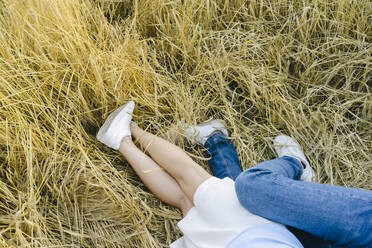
(313, 212)
(224, 160)
(340, 216)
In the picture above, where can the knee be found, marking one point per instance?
(251, 187)
(246, 190)
(253, 179)
(183, 176)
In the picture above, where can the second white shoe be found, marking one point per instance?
(200, 133)
(286, 146)
(116, 126)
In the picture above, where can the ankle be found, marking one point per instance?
(135, 130)
(215, 132)
(127, 140)
(303, 166)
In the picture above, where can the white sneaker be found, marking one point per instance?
(200, 133)
(116, 126)
(286, 146)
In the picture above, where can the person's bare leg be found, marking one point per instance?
(157, 180)
(188, 174)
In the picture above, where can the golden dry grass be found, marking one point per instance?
(302, 68)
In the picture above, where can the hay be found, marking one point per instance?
(267, 67)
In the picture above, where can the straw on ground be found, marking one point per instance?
(302, 68)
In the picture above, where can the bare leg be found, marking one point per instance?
(157, 180)
(188, 174)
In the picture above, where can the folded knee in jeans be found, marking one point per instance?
(250, 187)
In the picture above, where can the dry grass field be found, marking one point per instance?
(303, 68)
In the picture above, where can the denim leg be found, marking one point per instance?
(224, 160)
(338, 215)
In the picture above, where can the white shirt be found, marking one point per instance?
(217, 218)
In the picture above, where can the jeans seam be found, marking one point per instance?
(227, 169)
(319, 190)
(217, 140)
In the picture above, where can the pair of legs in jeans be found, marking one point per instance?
(319, 215)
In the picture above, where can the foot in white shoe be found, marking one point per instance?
(116, 126)
(200, 133)
(286, 146)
